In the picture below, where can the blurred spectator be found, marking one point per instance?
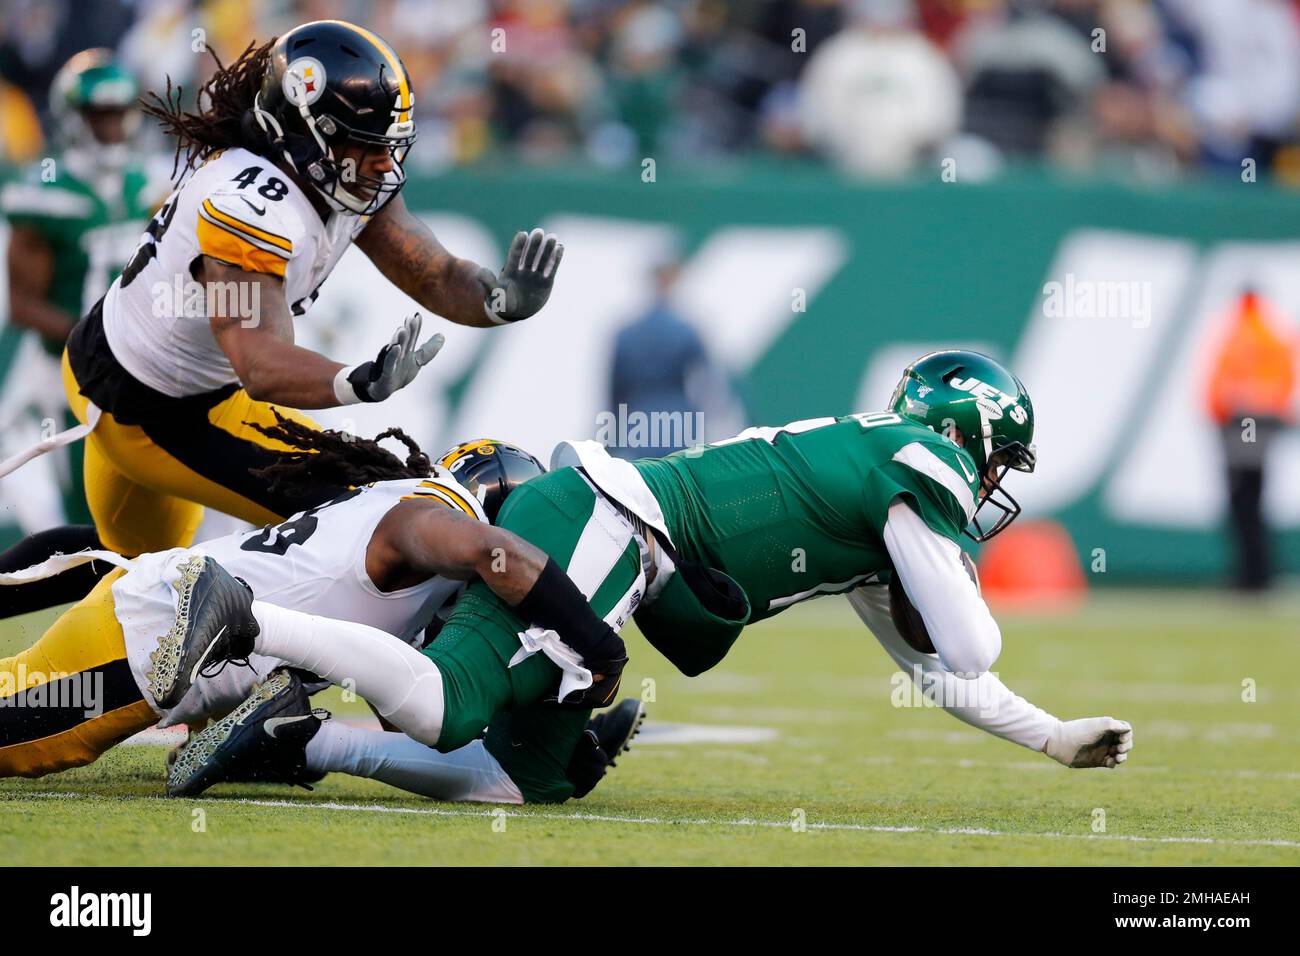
(1249, 396)
(644, 72)
(1145, 88)
(878, 95)
(664, 384)
(1243, 77)
(161, 43)
(21, 139)
(1026, 68)
(38, 36)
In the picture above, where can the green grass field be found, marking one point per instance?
(1212, 779)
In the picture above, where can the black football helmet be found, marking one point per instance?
(490, 470)
(330, 85)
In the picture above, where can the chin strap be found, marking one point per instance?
(277, 141)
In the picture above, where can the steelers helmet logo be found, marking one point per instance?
(304, 81)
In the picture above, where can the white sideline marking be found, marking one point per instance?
(661, 821)
(657, 732)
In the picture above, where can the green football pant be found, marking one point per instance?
(485, 676)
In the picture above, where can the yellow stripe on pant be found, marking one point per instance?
(70, 696)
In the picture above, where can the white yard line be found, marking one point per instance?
(674, 822)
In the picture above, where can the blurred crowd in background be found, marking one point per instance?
(1146, 89)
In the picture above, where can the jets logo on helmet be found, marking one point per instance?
(989, 397)
(971, 395)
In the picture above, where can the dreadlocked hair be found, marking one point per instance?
(328, 458)
(218, 120)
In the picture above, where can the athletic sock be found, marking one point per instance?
(71, 585)
(470, 773)
(402, 684)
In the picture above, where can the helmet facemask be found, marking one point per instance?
(1011, 456)
(324, 152)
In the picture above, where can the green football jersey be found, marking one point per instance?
(796, 512)
(91, 231)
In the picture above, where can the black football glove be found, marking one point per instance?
(606, 658)
(525, 282)
(601, 693)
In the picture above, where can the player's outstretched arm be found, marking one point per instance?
(406, 251)
(417, 539)
(272, 369)
(989, 704)
(260, 346)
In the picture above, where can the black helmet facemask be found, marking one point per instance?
(321, 156)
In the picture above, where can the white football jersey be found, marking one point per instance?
(314, 562)
(237, 207)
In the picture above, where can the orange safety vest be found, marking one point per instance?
(1255, 371)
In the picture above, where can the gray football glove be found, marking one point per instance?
(394, 367)
(525, 281)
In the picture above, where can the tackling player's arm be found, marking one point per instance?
(417, 539)
(260, 346)
(273, 369)
(406, 251)
(31, 271)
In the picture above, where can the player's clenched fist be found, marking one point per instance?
(394, 367)
(525, 281)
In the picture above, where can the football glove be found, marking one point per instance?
(525, 282)
(1090, 742)
(601, 693)
(394, 367)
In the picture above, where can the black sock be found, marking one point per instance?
(72, 585)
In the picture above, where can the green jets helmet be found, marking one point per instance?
(958, 391)
(92, 80)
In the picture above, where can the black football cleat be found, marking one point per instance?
(608, 735)
(214, 624)
(615, 728)
(263, 740)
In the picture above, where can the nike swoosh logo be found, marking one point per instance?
(969, 475)
(194, 674)
(260, 212)
(273, 723)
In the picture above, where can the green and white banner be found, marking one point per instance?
(1106, 301)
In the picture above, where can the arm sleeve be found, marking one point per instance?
(997, 710)
(957, 619)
